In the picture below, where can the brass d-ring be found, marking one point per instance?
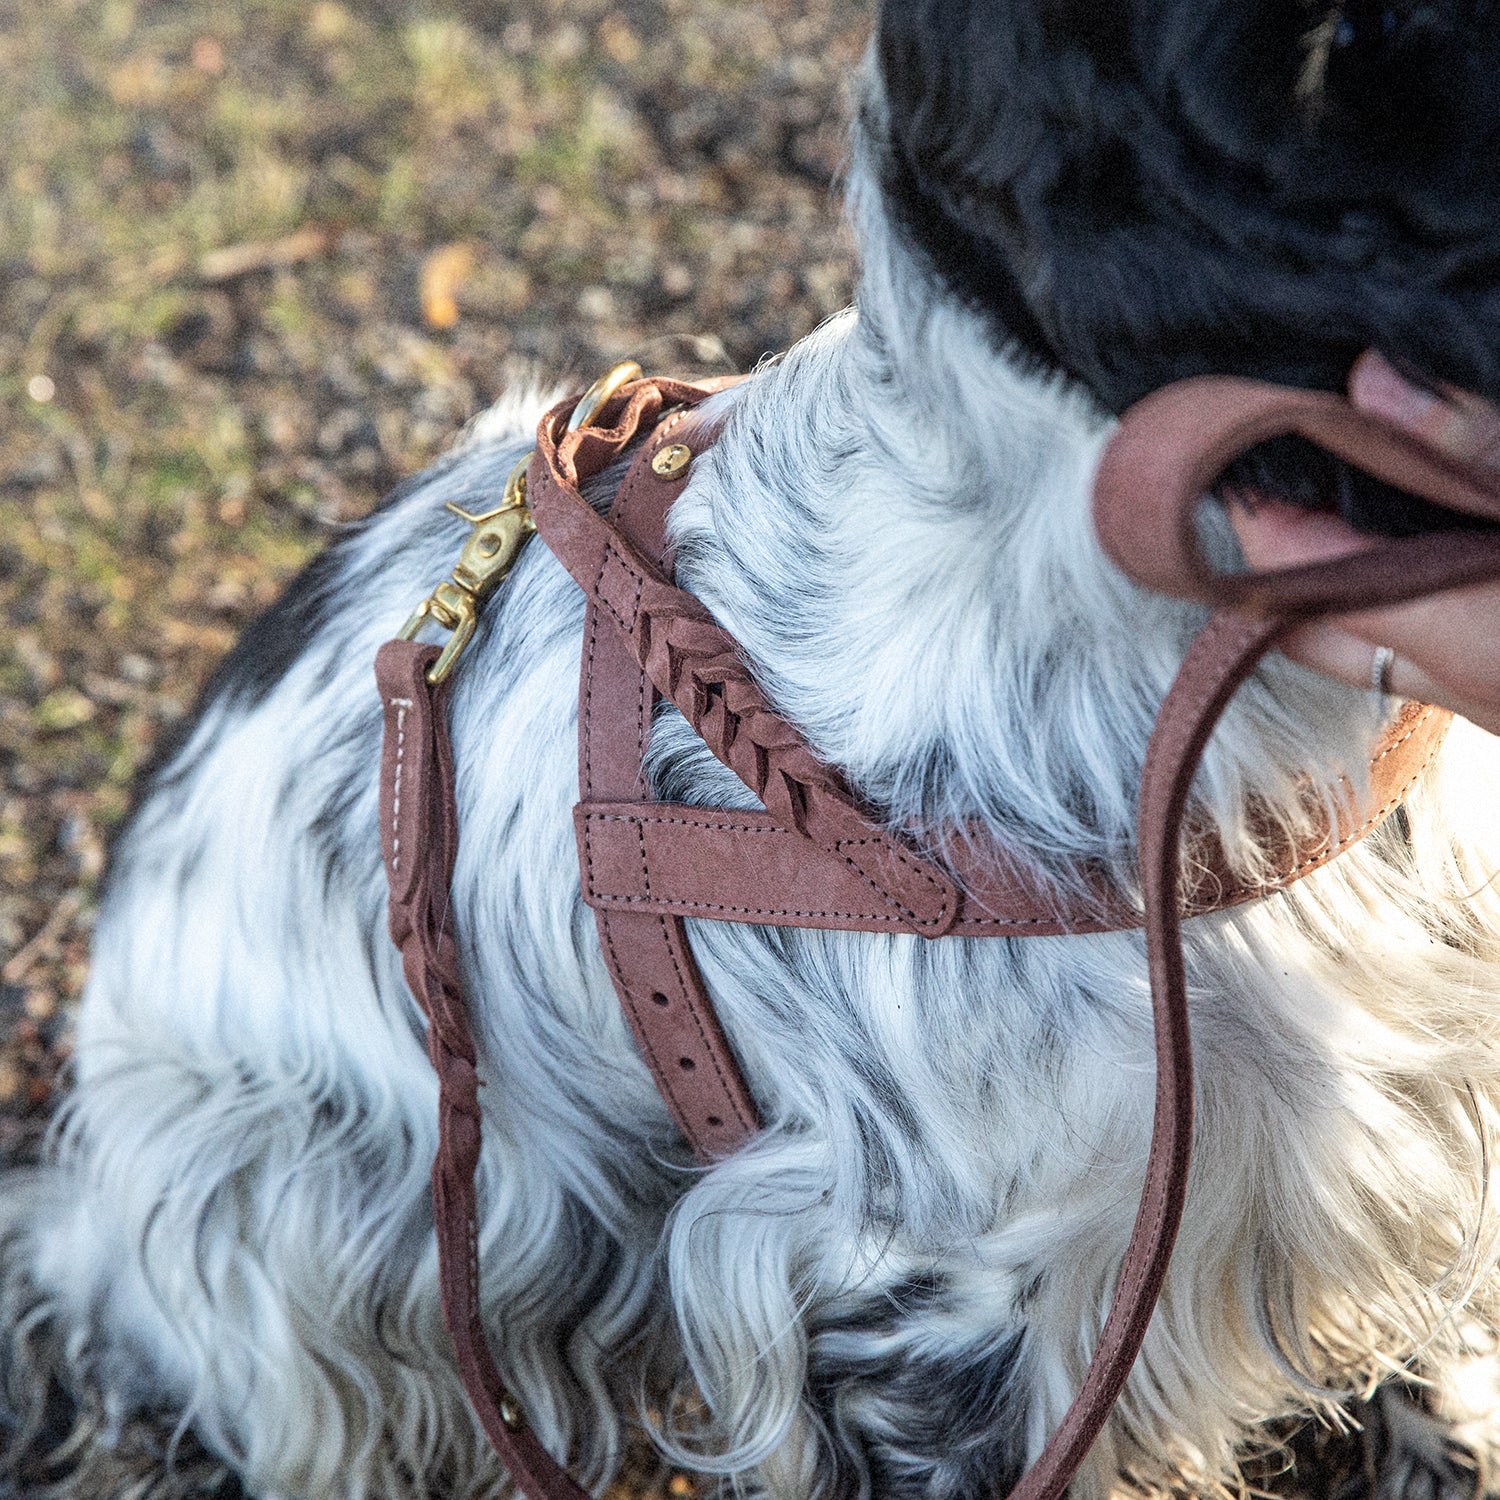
(592, 401)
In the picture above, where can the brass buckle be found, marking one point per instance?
(594, 399)
(496, 542)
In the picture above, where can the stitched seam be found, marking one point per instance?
(880, 890)
(1390, 749)
(645, 695)
(683, 823)
(628, 626)
(588, 705)
(1333, 851)
(401, 705)
(692, 1010)
(749, 911)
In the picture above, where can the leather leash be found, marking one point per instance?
(816, 857)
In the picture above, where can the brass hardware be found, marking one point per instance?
(514, 494)
(602, 389)
(672, 462)
(511, 1414)
(491, 552)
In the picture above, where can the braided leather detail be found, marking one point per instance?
(419, 840)
(697, 667)
(694, 663)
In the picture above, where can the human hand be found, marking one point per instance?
(1447, 647)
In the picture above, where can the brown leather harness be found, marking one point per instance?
(815, 857)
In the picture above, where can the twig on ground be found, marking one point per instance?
(44, 944)
(233, 261)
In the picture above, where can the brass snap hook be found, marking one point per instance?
(496, 541)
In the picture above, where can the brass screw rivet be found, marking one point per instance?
(672, 462)
(511, 1414)
(488, 544)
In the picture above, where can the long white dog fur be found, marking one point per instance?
(896, 1287)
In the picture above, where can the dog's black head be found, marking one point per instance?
(1136, 191)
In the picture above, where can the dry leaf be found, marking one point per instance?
(443, 272)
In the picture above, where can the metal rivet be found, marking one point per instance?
(488, 544)
(672, 462)
(511, 1414)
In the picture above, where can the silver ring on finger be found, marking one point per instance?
(1380, 671)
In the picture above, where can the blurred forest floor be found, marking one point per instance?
(259, 262)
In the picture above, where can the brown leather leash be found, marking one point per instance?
(816, 857)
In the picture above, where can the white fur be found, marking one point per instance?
(896, 1286)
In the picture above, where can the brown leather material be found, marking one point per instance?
(695, 664)
(1170, 448)
(647, 952)
(419, 840)
(729, 866)
(815, 858)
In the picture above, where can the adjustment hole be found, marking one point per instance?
(660, 999)
(686, 1064)
(714, 1122)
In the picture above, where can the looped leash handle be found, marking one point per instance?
(1171, 447)
(1165, 455)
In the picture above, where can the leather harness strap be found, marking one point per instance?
(729, 866)
(646, 951)
(816, 858)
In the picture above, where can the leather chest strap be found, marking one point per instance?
(732, 866)
(655, 975)
(696, 665)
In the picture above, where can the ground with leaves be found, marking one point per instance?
(259, 262)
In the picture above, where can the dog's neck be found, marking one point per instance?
(922, 497)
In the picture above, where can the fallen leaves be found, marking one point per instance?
(444, 272)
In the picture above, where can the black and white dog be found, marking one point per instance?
(1061, 205)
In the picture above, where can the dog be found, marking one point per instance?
(893, 1290)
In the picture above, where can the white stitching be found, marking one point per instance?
(400, 705)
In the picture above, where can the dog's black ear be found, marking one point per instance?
(1143, 190)
(1402, 71)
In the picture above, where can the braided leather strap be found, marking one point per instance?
(419, 840)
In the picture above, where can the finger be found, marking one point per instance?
(1338, 653)
(1456, 423)
(1435, 660)
(1350, 658)
(1278, 534)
